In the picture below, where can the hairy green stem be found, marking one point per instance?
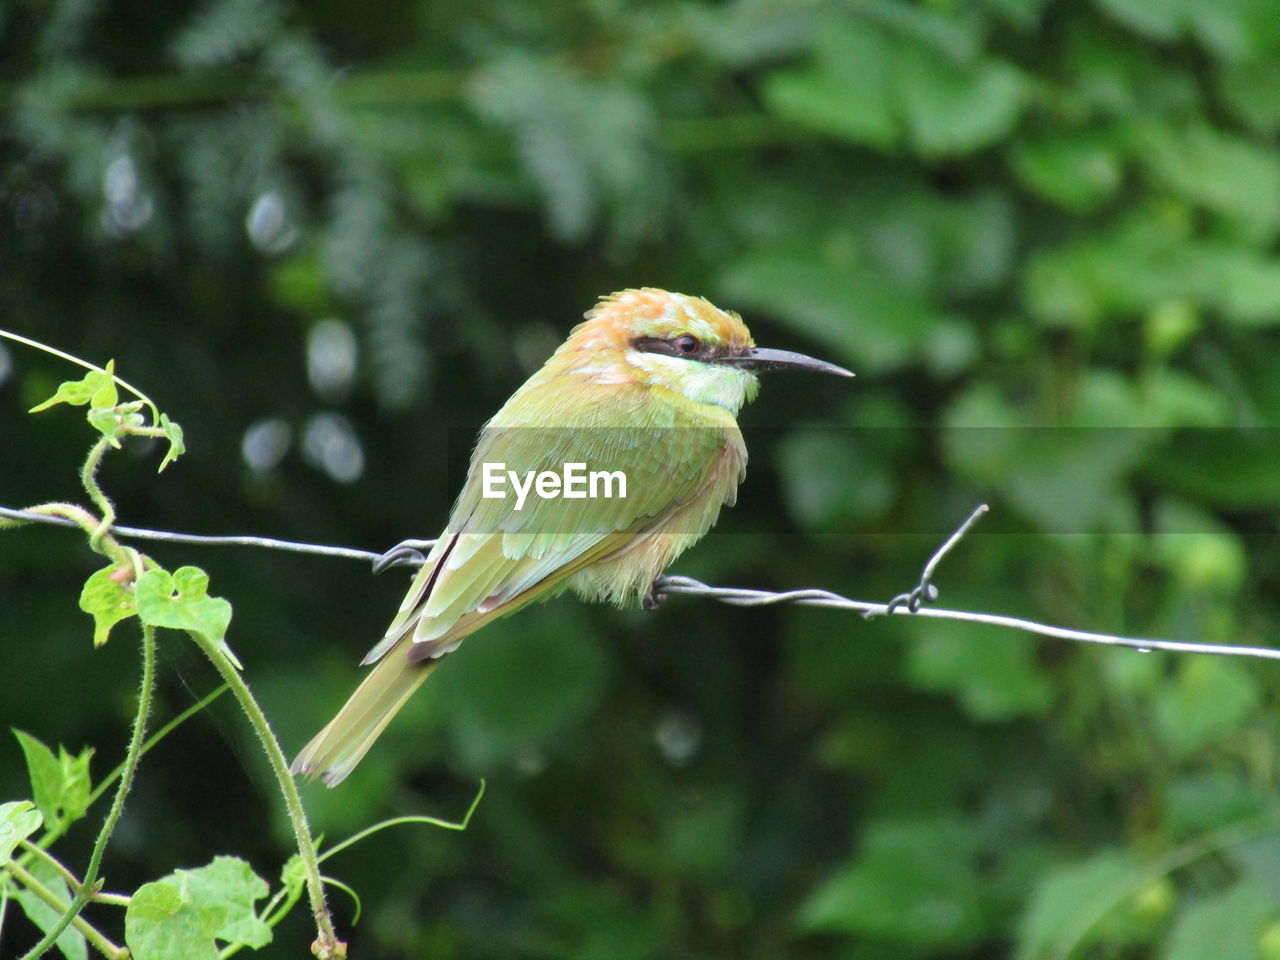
(132, 756)
(115, 899)
(327, 945)
(97, 529)
(51, 834)
(40, 853)
(77, 514)
(88, 477)
(91, 933)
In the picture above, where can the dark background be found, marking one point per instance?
(1043, 234)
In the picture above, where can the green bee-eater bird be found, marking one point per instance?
(644, 393)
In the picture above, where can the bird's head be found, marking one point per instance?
(685, 344)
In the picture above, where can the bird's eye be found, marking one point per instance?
(687, 344)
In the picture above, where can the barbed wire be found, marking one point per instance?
(910, 604)
(140, 533)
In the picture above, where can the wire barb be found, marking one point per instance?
(925, 591)
(742, 596)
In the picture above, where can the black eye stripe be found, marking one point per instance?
(656, 345)
(671, 347)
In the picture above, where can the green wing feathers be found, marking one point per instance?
(683, 462)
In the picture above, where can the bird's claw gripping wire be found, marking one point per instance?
(656, 593)
(406, 553)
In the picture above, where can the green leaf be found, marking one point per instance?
(1146, 262)
(106, 600)
(868, 83)
(1225, 173)
(493, 718)
(162, 923)
(818, 101)
(107, 414)
(1160, 19)
(994, 679)
(180, 916)
(952, 110)
(70, 941)
(1066, 905)
(19, 819)
(830, 480)
(1209, 698)
(915, 882)
(1119, 78)
(587, 921)
(1024, 14)
(231, 883)
(1227, 925)
(77, 392)
(293, 875)
(1244, 284)
(1074, 171)
(856, 311)
(1201, 559)
(1229, 468)
(180, 601)
(745, 34)
(954, 34)
(115, 422)
(1065, 480)
(703, 836)
(106, 395)
(1257, 861)
(45, 774)
(61, 784)
(849, 92)
(173, 433)
(1195, 804)
(1252, 92)
(1229, 29)
(584, 141)
(923, 244)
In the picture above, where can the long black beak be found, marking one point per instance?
(762, 358)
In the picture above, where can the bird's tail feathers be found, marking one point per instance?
(334, 752)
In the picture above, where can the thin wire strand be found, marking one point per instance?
(952, 540)
(742, 596)
(140, 533)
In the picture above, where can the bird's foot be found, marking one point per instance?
(406, 553)
(654, 596)
(913, 600)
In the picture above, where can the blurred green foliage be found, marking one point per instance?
(1043, 232)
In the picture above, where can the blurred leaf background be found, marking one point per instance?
(331, 238)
